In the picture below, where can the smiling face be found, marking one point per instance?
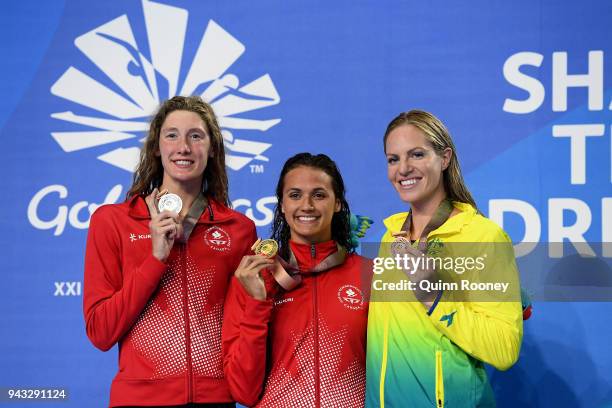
(184, 148)
(413, 166)
(308, 204)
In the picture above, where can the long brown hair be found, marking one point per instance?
(149, 173)
(439, 137)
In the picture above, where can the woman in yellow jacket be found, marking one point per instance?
(445, 297)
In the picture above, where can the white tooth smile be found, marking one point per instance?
(183, 162)
(408, 182)
(303, 218)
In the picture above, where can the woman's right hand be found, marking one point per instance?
(249, 275)
(422, 272)
(165, 228)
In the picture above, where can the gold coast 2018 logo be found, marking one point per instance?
(122, 108)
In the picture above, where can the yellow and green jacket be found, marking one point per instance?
(434, 358)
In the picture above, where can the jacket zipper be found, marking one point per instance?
(187, 323)
(315, 320)
(439, 380)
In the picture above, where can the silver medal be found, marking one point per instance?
(170, 202)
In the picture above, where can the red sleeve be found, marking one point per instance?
(113, 298)
(245, 334)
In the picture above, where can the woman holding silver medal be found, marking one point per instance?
(427, 347)
(158, 265)
(294, 332)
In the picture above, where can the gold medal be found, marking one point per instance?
(267, 248)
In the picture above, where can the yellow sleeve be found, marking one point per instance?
(488, 325)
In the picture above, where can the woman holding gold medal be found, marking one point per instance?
(158, 265)
(294, 333)
(427, 347)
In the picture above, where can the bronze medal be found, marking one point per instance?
(400, 245)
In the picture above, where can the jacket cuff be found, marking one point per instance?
(257, 310)
(151, 270)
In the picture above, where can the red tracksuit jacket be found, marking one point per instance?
(308, 344)
(165, 316)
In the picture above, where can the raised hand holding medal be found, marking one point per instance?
(418, 270)
(250, 267)
(421, 270)
(165, 225)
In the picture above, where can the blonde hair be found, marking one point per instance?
(439, 138)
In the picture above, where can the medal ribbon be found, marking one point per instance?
(192, 217)
(194, 214)
(441, 215)
(288, 274)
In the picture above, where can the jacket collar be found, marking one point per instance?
(453, 225)
(215, 212)
(304, 253)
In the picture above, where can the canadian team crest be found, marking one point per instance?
(217, 239)
(112, 105)
(351, 297)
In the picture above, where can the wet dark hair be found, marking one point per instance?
(340, 226)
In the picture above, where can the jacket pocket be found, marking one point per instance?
(439, 380)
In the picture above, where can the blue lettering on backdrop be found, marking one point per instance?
(522, 87)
